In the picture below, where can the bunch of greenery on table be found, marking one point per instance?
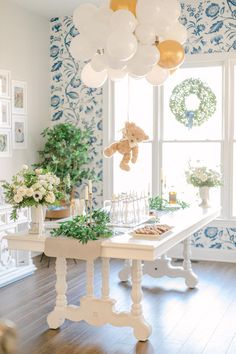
(162, 204)
(66, 153)
(202, 176)
(83, 229)
(32, 188)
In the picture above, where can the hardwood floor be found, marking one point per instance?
(183, 321)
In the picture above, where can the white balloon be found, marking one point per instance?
(148, 54)
(97, 33)
(121, 45)
(157, 76)
(83, 14)
(93, 78)
(124, 19)
(145, 33)
(116, 64)
(147, 11)
(81, 49)
(116, 75)
(139, 70)
(162, 27)
(104, 14)
(99, 62)
(177, 32)
(170, 9)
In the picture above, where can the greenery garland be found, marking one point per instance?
(81, 229)
(207, 106)
(160, 204)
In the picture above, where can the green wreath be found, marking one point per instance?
(206, 107)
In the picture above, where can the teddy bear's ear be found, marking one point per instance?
(127, 124)
(146, 137)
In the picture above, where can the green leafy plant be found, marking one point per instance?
(66, 153)
(159, 203)
(32, 188)
(83, 230)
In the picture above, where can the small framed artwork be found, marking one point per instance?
(5, 90)
(19, 130)
(5, 143)
(5, 113)
(19, 97)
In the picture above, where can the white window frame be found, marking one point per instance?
(227, 60)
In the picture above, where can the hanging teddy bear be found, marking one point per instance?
(128, 145)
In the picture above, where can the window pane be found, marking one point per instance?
(175, 162)
(211, 129)
(133, 102)
(139, 177)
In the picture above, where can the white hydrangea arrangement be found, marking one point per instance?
(202, 176)
(32, 188)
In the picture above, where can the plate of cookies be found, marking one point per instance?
(151, 232)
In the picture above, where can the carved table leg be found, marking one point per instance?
(142, 329)
(105, 279)
(191, 279)
(90, 278)
(57, 317)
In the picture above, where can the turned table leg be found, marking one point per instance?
(105, 278)
(191, 279)
(57, 317)
(90, 278)
(142, 329)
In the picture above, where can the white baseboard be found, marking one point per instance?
(205, 254)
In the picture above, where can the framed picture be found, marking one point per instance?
(5, 90)
(19, 130)
(5, 113)
(19, 97)
(5, 143)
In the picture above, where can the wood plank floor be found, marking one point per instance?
(183, 321)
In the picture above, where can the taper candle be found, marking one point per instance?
(86, 193)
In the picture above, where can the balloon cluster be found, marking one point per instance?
(142, 39)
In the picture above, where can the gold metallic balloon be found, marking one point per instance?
(124, 5)
(171, 54)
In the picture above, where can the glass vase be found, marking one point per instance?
(37, 220)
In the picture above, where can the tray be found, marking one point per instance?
(154, 237)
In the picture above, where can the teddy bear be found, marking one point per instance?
(128, 145)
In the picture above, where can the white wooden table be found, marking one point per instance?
(99, 311)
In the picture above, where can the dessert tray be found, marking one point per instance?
(151, 232)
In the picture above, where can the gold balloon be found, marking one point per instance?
(171, 54)
(124, 5)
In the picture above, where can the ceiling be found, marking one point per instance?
(53, 8)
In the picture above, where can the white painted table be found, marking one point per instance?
(99, 311)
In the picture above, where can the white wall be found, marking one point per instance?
(24, 50)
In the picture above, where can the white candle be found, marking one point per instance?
(86, 194)
(90, 186)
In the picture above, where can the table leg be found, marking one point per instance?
(191, 279)
(57, 317)
(90, 278)
(105, 279)
(142, 330)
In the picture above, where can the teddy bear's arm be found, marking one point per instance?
(134, 154)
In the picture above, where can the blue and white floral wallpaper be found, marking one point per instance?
(211, 28)
(71, 100)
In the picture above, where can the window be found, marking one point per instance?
(164, 158)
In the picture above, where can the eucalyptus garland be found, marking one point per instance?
(161, 204)
(207, 106)
(81, 229)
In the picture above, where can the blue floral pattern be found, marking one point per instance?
(211, 28)
(71, 100)
(211, 25)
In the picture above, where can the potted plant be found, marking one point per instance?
(66, 153)
(204, 178)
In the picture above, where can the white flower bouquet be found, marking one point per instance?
(32, 188)
(203, 176)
